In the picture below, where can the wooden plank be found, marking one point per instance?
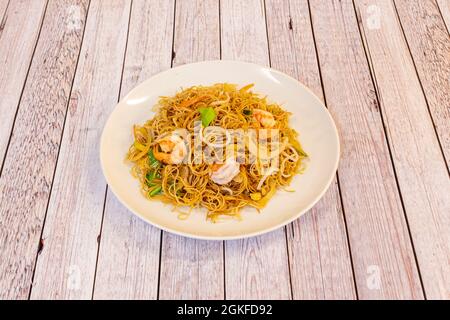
(256, 268)
(197, 35)
(382, 254)
(66, 265)
(429, 44)
(193, 269)
(19, 31)
(28, 169)
(128, 262)
(3, 7)
(418, 160)
(444, 7)
(319, 258)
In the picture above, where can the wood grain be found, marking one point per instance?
(382, 254)
(28, 170)
(256, 268)
(66, 265)
(19, 30)
(3, 6)
(319, 256)
(193, 269)
(197, 35)
(429, 43)
(387, 88)
(128, 262)
(419, 163)
(444, 7)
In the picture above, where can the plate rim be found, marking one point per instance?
(224, 237)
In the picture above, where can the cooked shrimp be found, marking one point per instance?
(224, 173)
(265, 118)
(170, 150)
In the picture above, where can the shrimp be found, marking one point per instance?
(265, 118)
(224, 173)
(170, 150)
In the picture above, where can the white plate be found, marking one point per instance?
(318, 136)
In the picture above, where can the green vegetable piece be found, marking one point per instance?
(207, 115)
(149, 178)
(153, 162)
(155, 191)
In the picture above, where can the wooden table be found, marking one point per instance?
(381, 231)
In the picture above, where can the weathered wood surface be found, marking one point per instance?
(319, 257)
(27, 173)
(66, 264)
(20, 24)
(418, 160)
(444, 7)
(128, 262)
(383, 257)
(428, 42)
(3, 6)
(381, 231)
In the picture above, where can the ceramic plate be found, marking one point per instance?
(317, 134)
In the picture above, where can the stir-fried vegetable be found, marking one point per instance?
(298, 147)
(153, 162)
(245, 88)
(149, 177)
(207, 115)
(153, 175)
(155, 191)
